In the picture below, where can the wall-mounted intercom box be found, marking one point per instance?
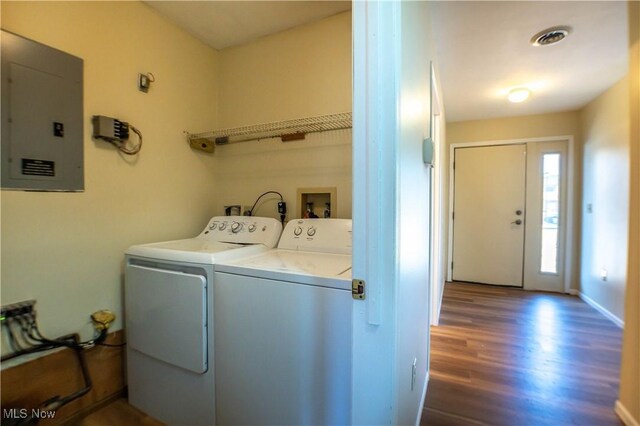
(42, 117)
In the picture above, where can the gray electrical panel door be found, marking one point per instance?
(42, 117)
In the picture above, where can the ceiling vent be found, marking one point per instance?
(550, 36)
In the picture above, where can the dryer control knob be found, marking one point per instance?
(222, 226)
(236, 227)
(252, 228)
(297, 230)
(213, 226)
(311, 231)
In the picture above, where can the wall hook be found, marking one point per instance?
(144, 81)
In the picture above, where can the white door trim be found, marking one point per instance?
(438, 179)
(376, 110)
(568, 256)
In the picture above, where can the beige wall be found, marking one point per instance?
(630, 370)
(66, 249)
(302, 72)
(531, 126)
(605, 184)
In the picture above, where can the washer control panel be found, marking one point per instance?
(243, 230)
(317, 235)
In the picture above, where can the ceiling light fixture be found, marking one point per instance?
(518, 95)
(550, 36)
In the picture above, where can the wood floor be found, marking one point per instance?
(118, 413)
(509, 357)
(501, 357)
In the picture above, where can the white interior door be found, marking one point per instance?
(489, 214)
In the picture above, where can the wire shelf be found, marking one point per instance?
(287, 130)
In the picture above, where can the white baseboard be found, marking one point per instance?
(574, 292)
(624, 415)
(422, 399)
(617, 321)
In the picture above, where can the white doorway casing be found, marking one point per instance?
(438, 190)
(567, 240)
(393, 50)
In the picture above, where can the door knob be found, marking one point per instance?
(518, 212)
(517, 222)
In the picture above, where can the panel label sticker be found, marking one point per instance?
(33, 167)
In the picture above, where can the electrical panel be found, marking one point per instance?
(42, 117)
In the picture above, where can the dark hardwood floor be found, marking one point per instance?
(504, 356)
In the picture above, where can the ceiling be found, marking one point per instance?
(483, 47)
(484, 50)
(222, 24)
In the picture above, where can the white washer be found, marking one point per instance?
(283, 330)
(169, 316)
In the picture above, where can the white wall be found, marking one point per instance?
(302, 72)
(605, 134)
(412, 285)
(66, 249)
(393, 48)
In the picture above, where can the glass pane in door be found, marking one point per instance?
(550, 212)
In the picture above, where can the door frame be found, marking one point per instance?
(438, 208)
(568, 235)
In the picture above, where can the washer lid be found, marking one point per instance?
(322, 269)
(192, 244)
(196, 250)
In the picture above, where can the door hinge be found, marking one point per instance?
(453, 216)
(452, 266)
(357, 289)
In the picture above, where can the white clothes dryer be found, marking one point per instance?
(169, 302)
(283, 330)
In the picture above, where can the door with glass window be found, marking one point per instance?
(509, 217)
